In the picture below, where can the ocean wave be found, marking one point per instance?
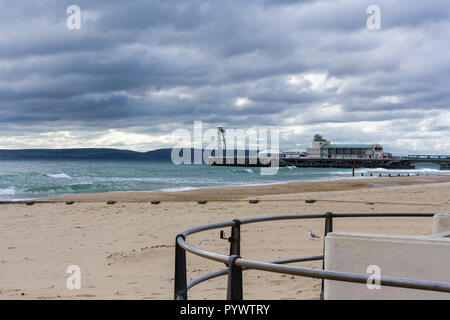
(7, 192)
(288, 167)
(55, 189)
(403, 171)
(58, 176)
(178, 189)
(126, 179)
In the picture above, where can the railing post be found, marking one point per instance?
(328, 228)
(235, 286)
(180, 292)
(235, 239)
(234, 289)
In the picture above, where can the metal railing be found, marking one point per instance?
(236, 264)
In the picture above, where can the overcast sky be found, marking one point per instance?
(137, 70)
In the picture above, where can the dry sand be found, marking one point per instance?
(126, 250)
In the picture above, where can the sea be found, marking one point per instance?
(24, 180)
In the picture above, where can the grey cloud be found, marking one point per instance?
(137, 65)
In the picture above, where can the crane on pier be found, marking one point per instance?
(221, 138)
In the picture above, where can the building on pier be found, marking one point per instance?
(318, 143)
(352, 151)
(324, 149)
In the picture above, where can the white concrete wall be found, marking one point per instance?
(441, 223)
(419, 257)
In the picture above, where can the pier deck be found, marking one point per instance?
(392, 163)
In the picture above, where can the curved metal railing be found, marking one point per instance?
(236, 264)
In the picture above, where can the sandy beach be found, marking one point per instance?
(126, 250)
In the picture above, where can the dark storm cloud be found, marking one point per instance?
(148, 67)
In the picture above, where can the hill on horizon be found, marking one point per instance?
(89, 154)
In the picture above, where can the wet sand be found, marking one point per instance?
(244, 192)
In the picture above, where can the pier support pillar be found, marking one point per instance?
(354, 165)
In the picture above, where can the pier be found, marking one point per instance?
(389, 163)
(324, 154)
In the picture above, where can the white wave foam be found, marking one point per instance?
(404, 171)
(373, 170)
(7, 192)
(58, 176)
(249, 170)
(178, 189)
